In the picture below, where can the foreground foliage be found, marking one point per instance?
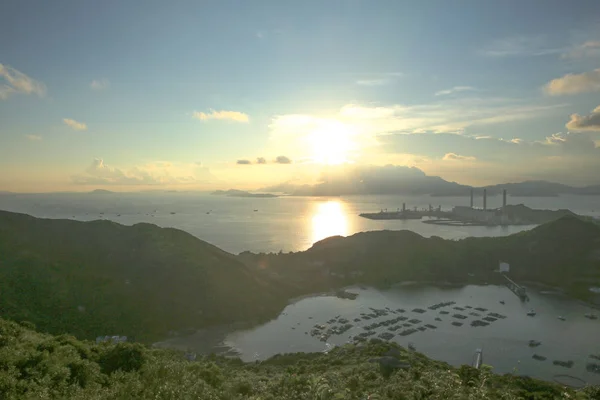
(40, 366)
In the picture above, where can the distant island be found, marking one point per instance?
(242, 193)
(101, 191)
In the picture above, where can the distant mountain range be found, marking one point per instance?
(412, 181)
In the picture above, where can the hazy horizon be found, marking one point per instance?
(201, 96)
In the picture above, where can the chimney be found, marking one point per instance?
(485, 199)
(403, 207)
(504, 198)
(471, 197)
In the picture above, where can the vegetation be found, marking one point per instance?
(101, 278)
(564, 253)
(40, 366)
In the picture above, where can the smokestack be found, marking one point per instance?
(504, 198)
(485, 199)
(403, 207)
(471, 198)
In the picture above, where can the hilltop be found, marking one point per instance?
(98, 278)
(38, 366)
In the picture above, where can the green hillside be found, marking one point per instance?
(101, 278)
(40, 366)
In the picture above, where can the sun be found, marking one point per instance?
(332, 143)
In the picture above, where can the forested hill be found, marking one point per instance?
(564, 253)
(103, 278)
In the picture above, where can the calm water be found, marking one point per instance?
(285, 223)
(504, 342)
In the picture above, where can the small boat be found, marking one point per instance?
(534, 343)
(412, 347)
(255, 210)
(531, 313)
(562, 318)
(591, 316)
(172, 213)
(501, 301)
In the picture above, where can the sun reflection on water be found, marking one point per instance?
(329, 220)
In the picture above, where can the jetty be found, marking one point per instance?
(520, 291)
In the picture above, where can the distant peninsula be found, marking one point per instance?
(101, 191)
(242, 193)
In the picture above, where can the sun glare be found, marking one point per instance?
(332, 144)
(329, 220)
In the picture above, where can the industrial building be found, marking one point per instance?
(496, 216)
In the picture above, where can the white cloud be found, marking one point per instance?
(591, 48)
(221, 115)
(33, 138)
(579, 123)
(100, 84)
(17, 82)
(457, 157)
(78, 126)
(455, 89)
(158, 173)
(575, 83)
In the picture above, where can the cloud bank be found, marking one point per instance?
(457, 157)
(579, 123)
(575, 83)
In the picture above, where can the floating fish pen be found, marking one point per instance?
(440, 305)
(444, 312)
(496, 315)
(459, 308)
(386, 335)
(474, 314)
(459, 316)
(479, 323)
(593, 367)
(565, 364)
(456, 323)
(489, 319)
(419, 310)
(431, 326)
(539, 358)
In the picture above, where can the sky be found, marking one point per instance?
(201, 95)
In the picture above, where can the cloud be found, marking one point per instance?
(522, 46)
(575, 83)
(243, 162)
(590, 122)
(78, 126)
(457, 157)
(283, 160)
(158, 173)
(380, 79)
(587, 49)
(261, 160)
(100, 84)
(17, 82)
(222, 115)
(455, 89)
(33, 138)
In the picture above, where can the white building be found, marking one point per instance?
(504, 267)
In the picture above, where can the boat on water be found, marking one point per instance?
(531, 313)
(591, 316)
(534, 343)
(501, 301)
(562, 318)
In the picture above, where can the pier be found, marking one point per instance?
(478, 358)
(520, 291)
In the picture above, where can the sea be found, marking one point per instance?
(296, 223)
(286, 223)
